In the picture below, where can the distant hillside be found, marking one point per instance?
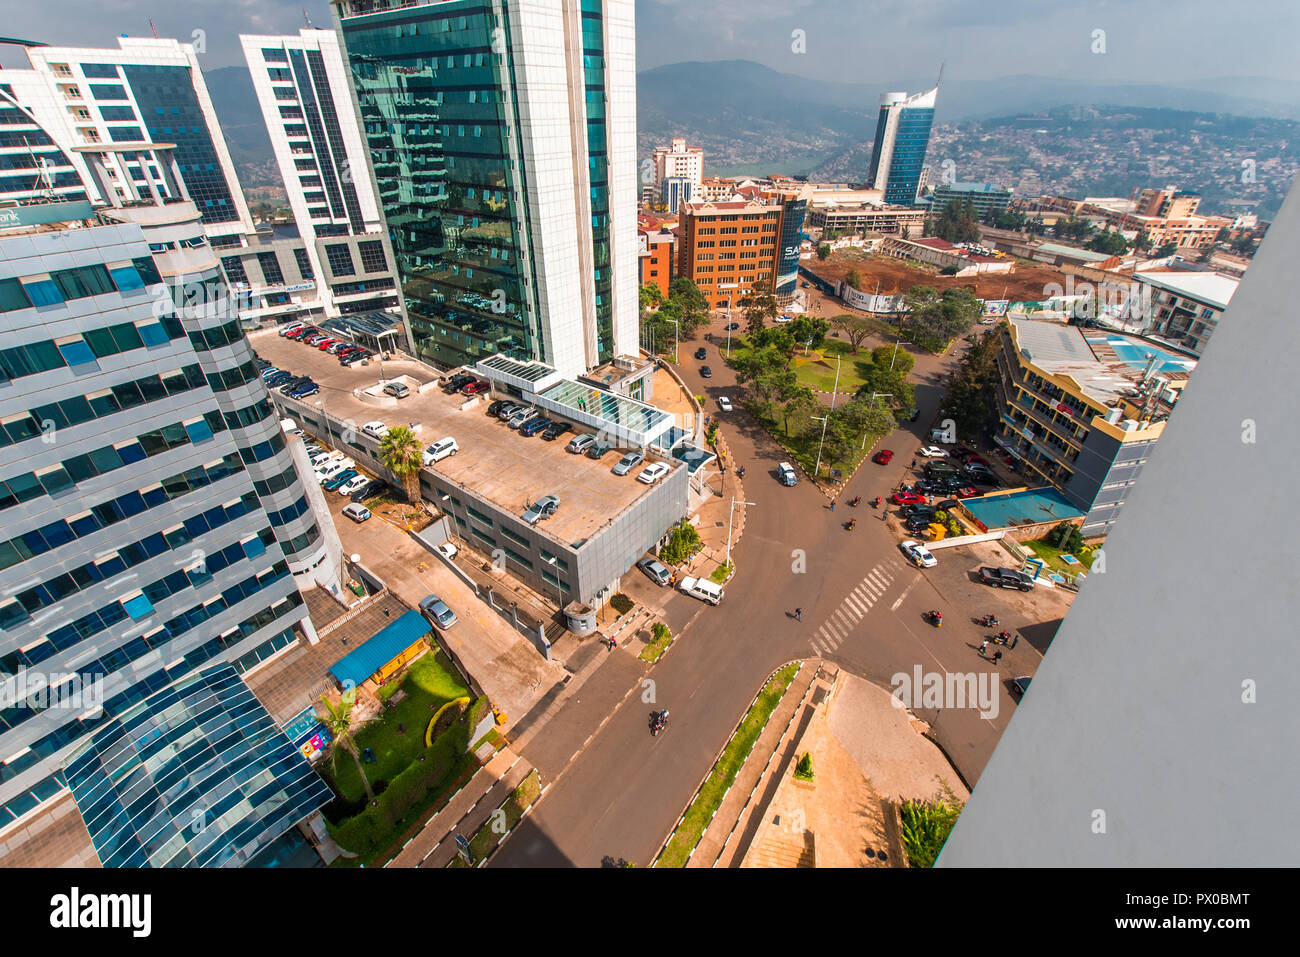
(231, 89)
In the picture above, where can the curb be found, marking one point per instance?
(717, 757)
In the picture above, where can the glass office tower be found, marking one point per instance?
(152, 515)
(482, 116)
(902, 136)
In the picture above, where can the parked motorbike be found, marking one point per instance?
(851, 524)
(935, 618)
(990, 621)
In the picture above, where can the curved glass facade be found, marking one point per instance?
(197, 775)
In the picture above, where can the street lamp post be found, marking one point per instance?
(728, 327)
(676, 326)
(874, 395)
(823, 419)
(731, 516)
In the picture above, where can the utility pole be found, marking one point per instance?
(823, 419)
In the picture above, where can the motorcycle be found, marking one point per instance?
(855, 500)
(935, 618)
(851, 524)
(658, 721)
(990, 621)
(876, 503)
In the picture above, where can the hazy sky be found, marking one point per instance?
(846, 40)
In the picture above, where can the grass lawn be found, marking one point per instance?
(701, 810)
(1052, 556)
(486, 840)
(429, 683)
(818, 372)
(655, 648)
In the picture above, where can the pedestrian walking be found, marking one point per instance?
(913, 465)
(612, 644)
(832, 505)
(997, 656)
(798, 614)
(1015, 640)
(984, 646)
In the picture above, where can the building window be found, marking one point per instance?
(372, 256)
(270, 269)
(234, 267)
(340, 260)
(304, 265)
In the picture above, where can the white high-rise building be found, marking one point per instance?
(304, 88)
(679, 161)
(147, 90)
(503, 144)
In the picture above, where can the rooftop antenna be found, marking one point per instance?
(940, 80)
(155, 29)
(305, 16)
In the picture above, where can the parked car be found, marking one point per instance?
(436, 610)
(358, 513)
(305, 391)
(291, 327)
(370, 490)
(396, 390)
(338, 347)
(361, 355)
(1006, 578)
(655, 571)
(336, 482)
(703, 589)
(949, 503)
(523, 417)
(653, 473)
(785, 472)
(496, 407)
(732, 325)
(555, 430)
(475, 388)
(965, 491)
(332, 468)
(506, 409)
(294, 382)
(542, 509)
(534, 426)
(376, 429)
(447, 550)
(706, 372)
(933, 452)
(916, 524)
(580, 443)
(440, 450)
(927, 510)
(883, 457)
(354, 484)
(701, 353)
(455, 382)
(724, 403)
(600, 450)
(267, 371)
(628, 462)
(278, 378)
(918, 554)
(325, 344)
(907, 498)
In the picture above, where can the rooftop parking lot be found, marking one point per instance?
(497, 463)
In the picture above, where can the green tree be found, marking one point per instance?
(972, 392)
(824, 251)
(1167, 249)
(810, 331)
(856, 328)
(683, 542)
(1108, 242)
(933, 319)
(799, 403)
(337, 720)
(694, 306)
(760, 306)
(854, 279)
(1142, 242)
(402, 454)
(651, 295)
(804, 769)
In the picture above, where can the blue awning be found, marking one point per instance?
(381, 649)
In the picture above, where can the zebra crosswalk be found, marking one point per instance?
(854, 607)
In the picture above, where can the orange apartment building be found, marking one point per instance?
(1165, 215)
(656, 252)
(728, 247)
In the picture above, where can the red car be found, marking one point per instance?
(965, 492)
(907, 498)
(325, 344)
(474, 388)
(882, 457)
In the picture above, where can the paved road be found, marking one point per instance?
(619, 795)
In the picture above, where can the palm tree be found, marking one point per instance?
(403, 455)
(338, 721)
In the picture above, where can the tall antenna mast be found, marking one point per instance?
(153, 28)
(942, 64)
(305, 17)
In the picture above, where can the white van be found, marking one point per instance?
(703, 589)
(440, 450)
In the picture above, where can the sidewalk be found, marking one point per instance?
(721, 839)
(468, 811)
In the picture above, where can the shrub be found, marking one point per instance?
(926, 825)
(661, 631)
(803, 770)
(682, 544)
(621, 603)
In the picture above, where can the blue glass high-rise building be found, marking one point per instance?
(902, 137)
(502, 141)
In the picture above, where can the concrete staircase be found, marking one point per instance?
(782, 849)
